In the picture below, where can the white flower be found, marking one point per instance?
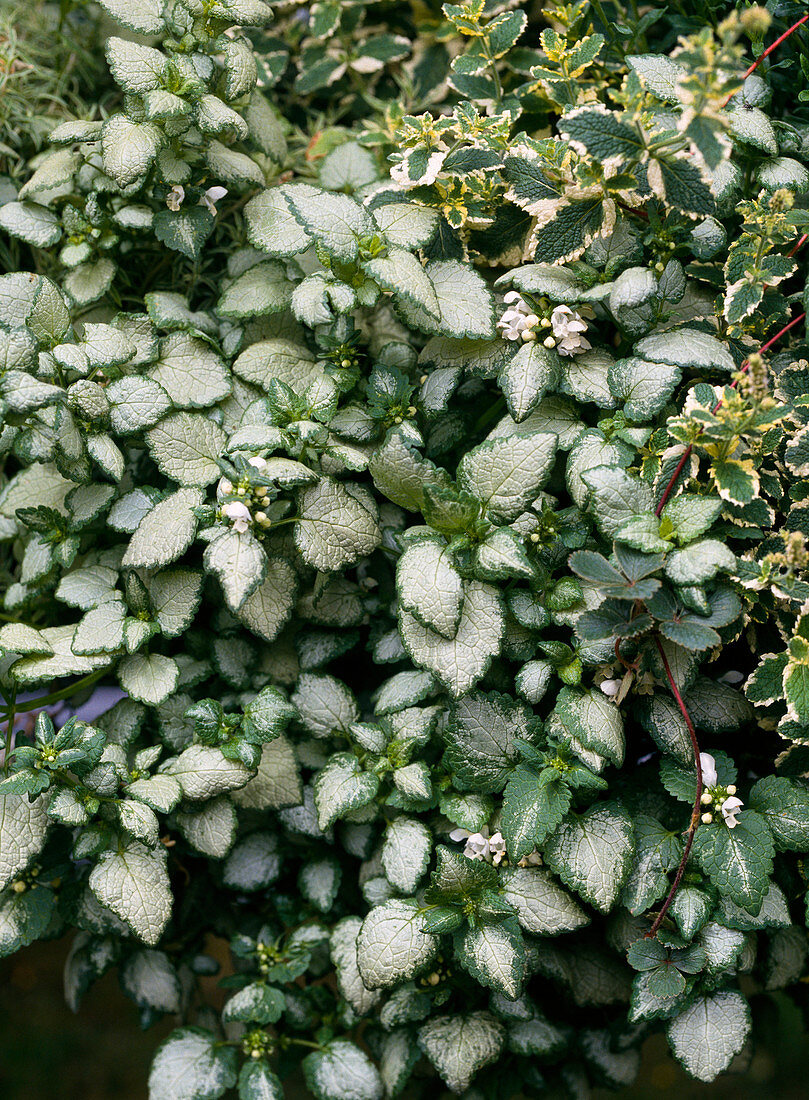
(239, 513)
(224, 488)
(724, 798)
(512, 324)
(211, 197)
(480, 845)
(730, 809)
(566, 321)
(174, 199)
(257, 463)
(610, 687)
(497, 848)
(708, 767)
(533, 859)
(568, 325)
(516, 320)
(477, 846)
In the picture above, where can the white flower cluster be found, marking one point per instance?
(237, 511)
(490, 847)
(566, 325)
(239, 514)
(482, 845)
(724, 798)
(176, 197)
(518, 322)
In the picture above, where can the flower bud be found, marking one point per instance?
(707, 819)
(756, 21)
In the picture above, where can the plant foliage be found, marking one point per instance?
(405, 424)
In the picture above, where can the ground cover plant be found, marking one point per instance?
(403, 522)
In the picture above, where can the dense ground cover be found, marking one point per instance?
(402, 530)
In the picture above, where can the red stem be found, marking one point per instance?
(800, 244)
(695, 812)
(742, 370)
(767, 53)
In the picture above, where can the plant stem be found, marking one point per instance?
(767, 53)
(305, 1043)
(11, 714)
(695, 812)
(498, 87)
(64, 693)
(497, 408)
(608, 24)
(633, 210)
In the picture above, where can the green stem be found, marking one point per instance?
(498, 87)
(494, 410)
(282, 522)
(608, 27)
(64, 693)
(695, 812)
(11, 715)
